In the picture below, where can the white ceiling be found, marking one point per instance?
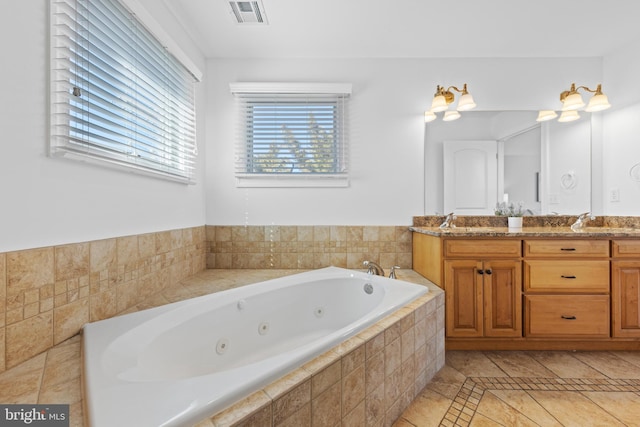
(413, 28)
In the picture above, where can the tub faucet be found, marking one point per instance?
(582, 220)
(373, 268)
(449, 221)
(392, 275)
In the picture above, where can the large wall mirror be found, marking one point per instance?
(487, 157)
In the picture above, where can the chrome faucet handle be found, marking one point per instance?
(582, 220)
(373, 268)
(449, 221)
(392, 275)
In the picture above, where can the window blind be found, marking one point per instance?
(291, 132)
(117, 95)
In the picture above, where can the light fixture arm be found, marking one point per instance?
(448, 95)
(573, 89)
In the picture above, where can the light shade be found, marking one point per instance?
(429, 116)
(569, 116)
(450, 116)
(598, 102)
(544, 115)
(573, 101)
(466, 102)
(439, 104)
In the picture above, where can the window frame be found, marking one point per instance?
(286, 95)
(138, 117)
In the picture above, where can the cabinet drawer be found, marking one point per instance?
(626, 248)
(496, 248)
(566, 248)
(567, 316)
(566, 276)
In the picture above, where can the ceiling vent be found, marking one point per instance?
(248, 12)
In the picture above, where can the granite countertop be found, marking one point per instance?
(533, 226)
(481, 231)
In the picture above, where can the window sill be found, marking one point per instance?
(262, 181)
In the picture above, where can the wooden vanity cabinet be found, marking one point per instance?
(566, 286)
(482, 282)
(625, 288)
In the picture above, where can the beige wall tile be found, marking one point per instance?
(146, 245)
(71, 261)
(353, 389)
(22, 384)
(102, 255)
(127, 250)
(29, 269)
(68, 319)
(3, 363)
(392, 356)
(375, 407)
(352, 360)
(103, 305)
(375, 374)
(291, 402)
(28, 338)
(300, 418)
(325, 408)
(326, 378)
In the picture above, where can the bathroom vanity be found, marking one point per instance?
(541, 287)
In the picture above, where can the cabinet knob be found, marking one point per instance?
(480, 271)
(564, 316)
(488, 271)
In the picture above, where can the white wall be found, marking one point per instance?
(49, 201)
(621, 130)
(387, 136)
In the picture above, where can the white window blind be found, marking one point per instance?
(292, 134)
(117, 95)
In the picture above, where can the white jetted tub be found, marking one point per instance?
(177, 364)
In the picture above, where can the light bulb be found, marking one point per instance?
(598, 102)
(439, 104)
(429, 116)
(569, 116)
(465, 102)
(544, 115)
(573, 101)
(450, 116)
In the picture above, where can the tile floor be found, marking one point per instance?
(532, 388)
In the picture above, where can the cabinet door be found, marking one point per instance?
(502, 299)
(625, 293)
(463, 296)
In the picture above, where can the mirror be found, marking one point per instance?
(546, 166)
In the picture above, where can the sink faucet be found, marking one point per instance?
(449, 221)
(392, 275)
(373, 268)
(582, 220)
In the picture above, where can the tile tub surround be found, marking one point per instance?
(307, 247)
(47, 294)
(329, 385)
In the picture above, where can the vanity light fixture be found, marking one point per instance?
(443, 97)
(572, 101)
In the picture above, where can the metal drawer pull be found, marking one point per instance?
(568, 317)
(567, 277)
(567, 249)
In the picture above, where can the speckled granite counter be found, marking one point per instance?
(533, 226)
(587, 232)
